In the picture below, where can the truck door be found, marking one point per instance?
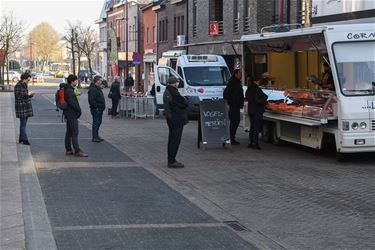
(162, 73)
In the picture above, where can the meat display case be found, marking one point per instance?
(315, 105)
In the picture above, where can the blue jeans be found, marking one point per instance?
(97, 116)
(23, 135)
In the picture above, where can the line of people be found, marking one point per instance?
(72, 111)
(257, 101)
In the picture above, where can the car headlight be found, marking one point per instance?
(355, 125)
(363, 125)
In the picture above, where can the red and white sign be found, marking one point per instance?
(214, 28)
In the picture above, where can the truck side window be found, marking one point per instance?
(164, 74)
(179, 71)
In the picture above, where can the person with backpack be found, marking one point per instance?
(23, 106)
(72, 112)
(97, 106)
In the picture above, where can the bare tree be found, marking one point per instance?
(86, 43)
(44, 42)
(10, 39)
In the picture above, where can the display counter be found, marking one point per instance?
(316, 106)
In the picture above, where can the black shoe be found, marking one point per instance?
(26, 143)
(101, 139)
(235, 143)
(257, 147)
(176, 164)
(250, 145)
(20, 141)
(96, 140)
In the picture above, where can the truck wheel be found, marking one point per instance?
(342, 157)
(266, 132)
(275, 140)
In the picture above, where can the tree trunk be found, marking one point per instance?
(89, 60)
(7, 66)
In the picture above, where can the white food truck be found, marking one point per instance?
(201, 77)
(298, 113)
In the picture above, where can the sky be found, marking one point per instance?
(55, 12)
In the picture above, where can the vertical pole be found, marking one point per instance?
(126, 39)
(73, 59)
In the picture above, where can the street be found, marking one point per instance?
(124, 197)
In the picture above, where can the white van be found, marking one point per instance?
(201, 77)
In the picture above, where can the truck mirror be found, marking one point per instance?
(158, 89)
(181, 84)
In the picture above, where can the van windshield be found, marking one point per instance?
(206, 76)
(356, 70)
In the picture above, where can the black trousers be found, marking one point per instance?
(256, 123)
(235, 118)
(71, 135)
(114, 106)
(174, 140)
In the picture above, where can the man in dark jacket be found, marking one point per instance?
(115, 95)
(97, 106)
(175, 110)
(233, 93)
(72, 113)
(129, 83)
(257, 101)
(23, 106)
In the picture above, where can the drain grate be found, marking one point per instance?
(236, 226)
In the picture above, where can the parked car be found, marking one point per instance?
(14, 76)
(37, 77)
(61, 74)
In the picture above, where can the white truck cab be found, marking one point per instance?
(201, 77)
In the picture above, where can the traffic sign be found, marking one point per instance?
(137, 58)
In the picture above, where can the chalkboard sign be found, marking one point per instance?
(214, 122)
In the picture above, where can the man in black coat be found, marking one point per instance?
(72, 113)
(97, 106)
(233, 93)
(257, 101)
(115, 95)
(175, 110)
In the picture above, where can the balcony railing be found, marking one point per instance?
(246, 24)
(236, 25)
(221, 27)
(195, 27)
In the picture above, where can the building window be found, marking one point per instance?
(236, 16)
(163, 30)
(134, 31)
(216, 13)
(147, 35)
(282, 11)
(246, 16)
(194, 18)
(175, 28)
(182, 29)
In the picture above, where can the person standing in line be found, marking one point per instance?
(233, 94)
(129, 83)
(97, 106)
(257, 101)
(72, 113)
(115, 95)
(175, 110)
(153, 94)
(23, 106)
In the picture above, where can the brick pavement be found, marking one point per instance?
(293, 196)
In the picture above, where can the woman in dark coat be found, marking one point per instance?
(257, 101)
(115, 95)
(23, 106)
